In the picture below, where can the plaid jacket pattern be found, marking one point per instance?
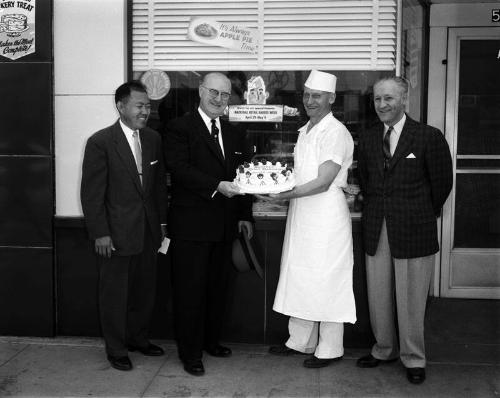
(409, 194)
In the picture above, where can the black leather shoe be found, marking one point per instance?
(369, 361)
(315, 362)
(120, 363)
(219, 351)
(415, 375)
(151, 350)
(194, 367)
(282, 350)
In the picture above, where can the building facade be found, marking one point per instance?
(56, 97)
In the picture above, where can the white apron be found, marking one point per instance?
(317, 260)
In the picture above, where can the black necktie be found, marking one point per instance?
(387, 147)
(215, 136)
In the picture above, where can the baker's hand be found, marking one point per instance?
(104, 246)
(228, 189)
(246, 227)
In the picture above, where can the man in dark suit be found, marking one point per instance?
(123, 195)
(206, 213)
(406, 175)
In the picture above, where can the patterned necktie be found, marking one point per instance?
(387, 147)
(215, 136)
(138, 153)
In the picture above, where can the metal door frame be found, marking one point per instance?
(455, 35)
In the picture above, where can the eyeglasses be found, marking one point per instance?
(215, 93)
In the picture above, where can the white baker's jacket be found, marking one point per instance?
(317, 260)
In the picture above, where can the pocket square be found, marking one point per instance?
(237, 153)
(154, 162)
(410, 156)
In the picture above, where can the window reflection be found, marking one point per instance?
(477, 211)
(275, 141)
(479, 101)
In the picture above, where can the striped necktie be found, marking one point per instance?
(138, 153)
(387, 147)
(215, 136)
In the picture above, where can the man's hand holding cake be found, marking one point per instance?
(228, 189)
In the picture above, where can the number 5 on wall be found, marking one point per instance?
(495, 15)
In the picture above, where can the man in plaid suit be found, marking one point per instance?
(406, 175)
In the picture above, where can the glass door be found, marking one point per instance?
(471, 218)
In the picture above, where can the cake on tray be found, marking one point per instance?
(264, 177)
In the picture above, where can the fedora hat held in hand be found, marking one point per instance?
(243, 255)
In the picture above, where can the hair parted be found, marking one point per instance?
(126, 88)
(400, 81)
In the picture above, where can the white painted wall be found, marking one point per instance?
(90, 58)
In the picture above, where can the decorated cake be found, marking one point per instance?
(263, 177)
(15, 22)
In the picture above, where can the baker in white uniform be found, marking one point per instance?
(315, 284)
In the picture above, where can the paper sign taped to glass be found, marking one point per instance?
(256, 109)
(223, 34)
(164, 246)
(17, 28)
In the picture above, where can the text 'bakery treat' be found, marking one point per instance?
(263, 177)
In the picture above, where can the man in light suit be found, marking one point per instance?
(123, 195)
(406, 175)
(206, 213)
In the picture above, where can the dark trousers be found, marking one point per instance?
(201, 272)
(127, 287)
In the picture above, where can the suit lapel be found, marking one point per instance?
(125, 153)
(207, 137)
(228, 141)
(404, 142)
(147, 157)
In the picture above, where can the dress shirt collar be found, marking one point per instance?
(208, 120)
(398, 127)
(127, 130)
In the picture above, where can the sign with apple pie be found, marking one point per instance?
(223, 34)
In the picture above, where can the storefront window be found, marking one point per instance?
(275, 141)
(278, 41)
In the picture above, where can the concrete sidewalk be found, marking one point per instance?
(77, 367)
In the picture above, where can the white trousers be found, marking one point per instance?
(324, 339)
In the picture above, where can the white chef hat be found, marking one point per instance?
(323, 81)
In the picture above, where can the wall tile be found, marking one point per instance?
(26, 110)
(90, 49)
(26, 292)
(76, 119)
(26, 201)
(76, 278)
(245, 321)
(277, 324)
(360, 334)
